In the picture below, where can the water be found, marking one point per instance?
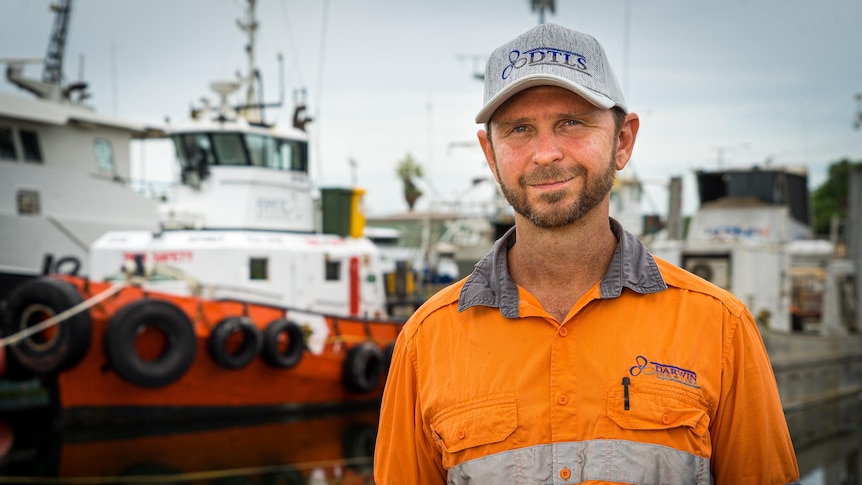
(329, 449)
(312, 450)
(828, 442)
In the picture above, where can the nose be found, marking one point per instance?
(547, 148)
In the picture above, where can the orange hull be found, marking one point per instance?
(93, 390)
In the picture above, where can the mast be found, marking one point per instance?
(52, 73)
(251, 111)
(51, 86)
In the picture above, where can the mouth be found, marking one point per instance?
(551, 185)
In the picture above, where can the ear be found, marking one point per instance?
(485, 143)
(626, 140)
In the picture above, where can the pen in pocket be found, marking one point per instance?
(626, 383)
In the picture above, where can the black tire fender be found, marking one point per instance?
(180, 343)
(252, 341)
(56, 348)
(363, 368)
(73, 261)
(275, 332)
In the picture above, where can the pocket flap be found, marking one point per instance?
(479, 422)
(656, 408)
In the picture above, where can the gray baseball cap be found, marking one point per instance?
(550, 55)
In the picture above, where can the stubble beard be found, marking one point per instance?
(558, 215)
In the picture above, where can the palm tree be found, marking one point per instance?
(407, 170)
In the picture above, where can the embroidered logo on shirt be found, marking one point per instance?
(663, 371)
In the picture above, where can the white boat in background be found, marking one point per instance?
(751, 235)
(245, 221)
(64, 171)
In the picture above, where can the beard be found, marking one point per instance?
(560, 213)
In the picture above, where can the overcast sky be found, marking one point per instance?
(730, 82)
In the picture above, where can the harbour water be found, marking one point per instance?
(313, 450)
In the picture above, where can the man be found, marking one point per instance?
(570, 354)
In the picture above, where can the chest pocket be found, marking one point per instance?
(666, 408)
(459, 428)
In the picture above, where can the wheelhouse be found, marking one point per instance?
(198, 151)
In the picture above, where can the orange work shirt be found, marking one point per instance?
(655, 377)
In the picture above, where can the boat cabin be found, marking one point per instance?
(751, 236)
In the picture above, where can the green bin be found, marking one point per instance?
(336, 210)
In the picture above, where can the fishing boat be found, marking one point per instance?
(751, 235)
(257, 294)
(65, 170)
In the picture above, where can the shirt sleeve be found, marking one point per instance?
(750, 438)
(403, 453)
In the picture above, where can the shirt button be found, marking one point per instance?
(563, 399)
(565, 473)
(665, 418)
(563, 332)
(462, 434)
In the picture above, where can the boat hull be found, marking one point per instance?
(92, 390)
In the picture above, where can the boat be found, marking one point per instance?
(123, 353)
(258, 293)
(65, 170)
(751, 235)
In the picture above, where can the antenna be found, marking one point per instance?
(858, 122)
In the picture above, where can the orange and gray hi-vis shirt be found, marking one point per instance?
(654, 377)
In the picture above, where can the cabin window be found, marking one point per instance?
(28, 202)
(195, 154)
(333, 270)
(258, 269)
(261, 149)
(229, 149)
(104, 155)
(7, 144)
(30, 146)
(293, 155)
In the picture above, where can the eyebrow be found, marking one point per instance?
(580, 114)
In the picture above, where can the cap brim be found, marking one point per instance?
(596, 99)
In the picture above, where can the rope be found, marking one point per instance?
(65, 315)
(356, 339)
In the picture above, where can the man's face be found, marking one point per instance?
(554, 154)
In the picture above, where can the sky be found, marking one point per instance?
(717, 84)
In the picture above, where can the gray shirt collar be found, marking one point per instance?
(490, 284)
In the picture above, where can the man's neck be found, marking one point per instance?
(559, 265)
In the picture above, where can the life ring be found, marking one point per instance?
(363, 367)
(273, 343)
(175, 355)
(55, 348)
(219, 347)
